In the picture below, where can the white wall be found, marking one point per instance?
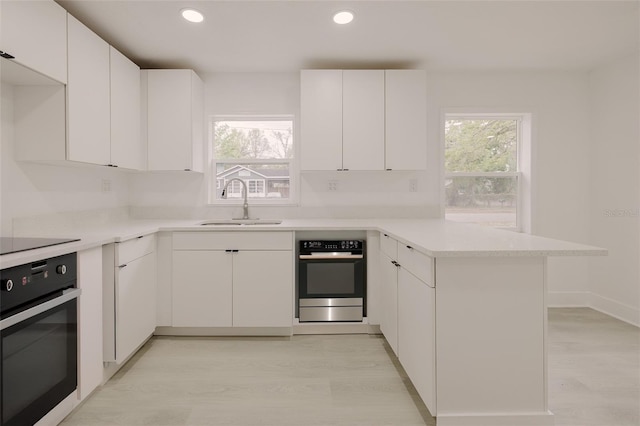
(615, 188)
(558, 102)
(30, 189)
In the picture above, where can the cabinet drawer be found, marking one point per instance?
(389, 246)
(129, 250)
(241, 240)
(419, 264)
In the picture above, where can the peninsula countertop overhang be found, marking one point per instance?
(433, 237)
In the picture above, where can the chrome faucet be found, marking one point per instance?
(245, 206)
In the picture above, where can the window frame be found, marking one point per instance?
(523, 159)
(212, 186)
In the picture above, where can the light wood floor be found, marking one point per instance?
(594, 379)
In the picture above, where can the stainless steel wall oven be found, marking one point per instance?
(332, 281)
(38, 338)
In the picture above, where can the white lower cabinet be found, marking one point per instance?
(409, 313)
(202, 288)
(262, 289)
(129, 303)
(135, 314)
(416, 334)
(232, 280)
(389, 314)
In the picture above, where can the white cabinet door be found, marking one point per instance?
(88, 104)
(321, 119)
(363, 119)
(416, 331)
(263, 289)
(202, 289)
(90, 321)
(135, 307)
(35, 33)
(197, 123)
(127, 150)
(406, 117)
(389, 317)
(174, 120)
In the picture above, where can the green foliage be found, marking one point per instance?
(251, 143)
(480, 145)
(229, 143)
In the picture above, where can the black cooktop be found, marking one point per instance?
(14, 245)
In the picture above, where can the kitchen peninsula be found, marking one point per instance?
(466, 315)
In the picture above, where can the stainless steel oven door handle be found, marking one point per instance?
(331, 256)
(67, 295)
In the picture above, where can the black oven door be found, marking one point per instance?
(332, 278)
(39, 359)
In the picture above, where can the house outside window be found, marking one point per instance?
(256, 150)
(483, 172)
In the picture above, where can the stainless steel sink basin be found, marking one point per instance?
(241, 222)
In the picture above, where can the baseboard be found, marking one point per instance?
(497, 419)
(568, 299)
(223, 331)
(615, 309)
(587, 299)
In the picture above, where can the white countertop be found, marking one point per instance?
(436, 238)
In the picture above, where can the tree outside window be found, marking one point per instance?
(481, 170)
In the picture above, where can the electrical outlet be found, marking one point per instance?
(413, 185)
(332, 185)
(106, 185)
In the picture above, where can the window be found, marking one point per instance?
(482, 172)
(257, 150)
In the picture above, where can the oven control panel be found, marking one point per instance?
(24, 283)
(330, 246)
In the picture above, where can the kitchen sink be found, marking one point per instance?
(241, 222)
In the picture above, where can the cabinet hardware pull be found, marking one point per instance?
(389, 170)
(6, 55)
(140, 236)
(122, 266)
(410, 248)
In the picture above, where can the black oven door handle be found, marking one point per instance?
(331, 256)
(67, 295)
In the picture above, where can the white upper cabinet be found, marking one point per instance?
(406, 117)
(175, 120)
(363, 120)
(35, 33)
(88, 96)
(321, 121)
(127, 149)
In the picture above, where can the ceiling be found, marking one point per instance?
(268, 36)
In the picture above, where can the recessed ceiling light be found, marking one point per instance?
(343, 17)
(192, 15)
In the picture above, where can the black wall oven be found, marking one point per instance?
(39, 339)
(332, 279)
